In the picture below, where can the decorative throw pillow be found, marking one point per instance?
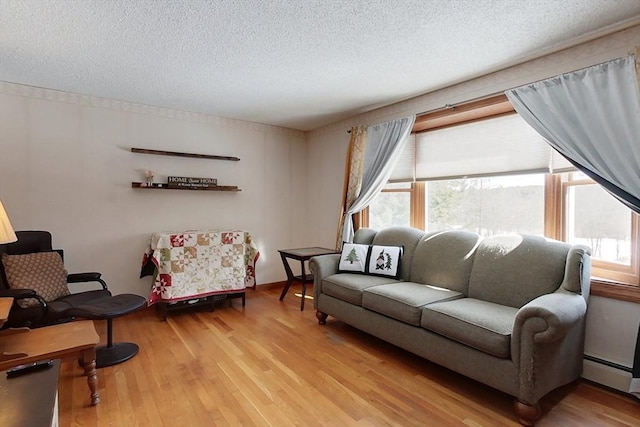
(384, 261)
(41, 271)
(353, 258)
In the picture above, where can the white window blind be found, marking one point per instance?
(404, 169)
(495, 146)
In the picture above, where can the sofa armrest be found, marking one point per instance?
(546, 319)
(547, 343)
(559, 311)
(322, 266)
(577, 274)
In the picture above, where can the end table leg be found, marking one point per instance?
(304, 285)
(286, 289)
(89, 362)
(287, 269)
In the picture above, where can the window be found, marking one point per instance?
(593, 217)
(391, 207)
(485, 205)
(466, 175)
(397, 204)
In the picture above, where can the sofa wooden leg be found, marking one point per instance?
(322, 317)
(527, 414)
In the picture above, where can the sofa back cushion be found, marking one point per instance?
(406, 237)
(444, 259)
(514, 269)
(364, 236)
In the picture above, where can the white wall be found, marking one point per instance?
(612, 330)
(611, 325)
(66, 167)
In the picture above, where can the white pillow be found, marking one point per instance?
(353, 258)
(384, 261)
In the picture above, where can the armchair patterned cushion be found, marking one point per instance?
(43, 272)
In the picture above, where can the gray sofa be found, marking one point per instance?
(508, 311)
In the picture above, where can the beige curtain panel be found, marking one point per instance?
(354, 170)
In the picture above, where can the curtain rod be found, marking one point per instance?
(468, 101)
(447, 106)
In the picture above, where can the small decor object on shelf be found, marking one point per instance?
(149, 174)
(189, 182)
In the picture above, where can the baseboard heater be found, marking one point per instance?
(607, 363)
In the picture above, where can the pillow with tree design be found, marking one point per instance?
(353, 258)
(384, 261)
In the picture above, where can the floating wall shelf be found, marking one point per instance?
(164, 186)
(178, 154)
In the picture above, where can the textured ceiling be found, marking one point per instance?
(294, 63)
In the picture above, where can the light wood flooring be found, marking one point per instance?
(268, 364)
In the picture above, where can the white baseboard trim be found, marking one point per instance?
(606, 375)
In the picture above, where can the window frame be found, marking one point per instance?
(607, 279)
(416, 210)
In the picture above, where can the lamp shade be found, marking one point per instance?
(7, 235)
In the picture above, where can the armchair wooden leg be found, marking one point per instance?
(527, 414)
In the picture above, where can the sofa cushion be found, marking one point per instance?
(404, 301)
(515, 269)
(444, 259)
(479, 324)
(348, 286)
(364, 236)
(406, 237)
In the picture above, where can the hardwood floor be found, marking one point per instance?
(268, 364)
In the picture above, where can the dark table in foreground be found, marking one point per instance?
(30, 399)
(302, 255)
(77, 340)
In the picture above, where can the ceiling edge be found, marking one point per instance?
(35, 92)
(535, 55)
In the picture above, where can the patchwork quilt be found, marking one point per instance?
(195, 264)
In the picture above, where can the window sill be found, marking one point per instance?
(615, 290)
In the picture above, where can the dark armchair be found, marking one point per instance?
(33, 309)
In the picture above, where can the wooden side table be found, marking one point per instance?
(302, 255)
(68, 340)
(5, 306)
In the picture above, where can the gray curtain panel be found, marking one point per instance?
(384, 147)
(592, 118)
